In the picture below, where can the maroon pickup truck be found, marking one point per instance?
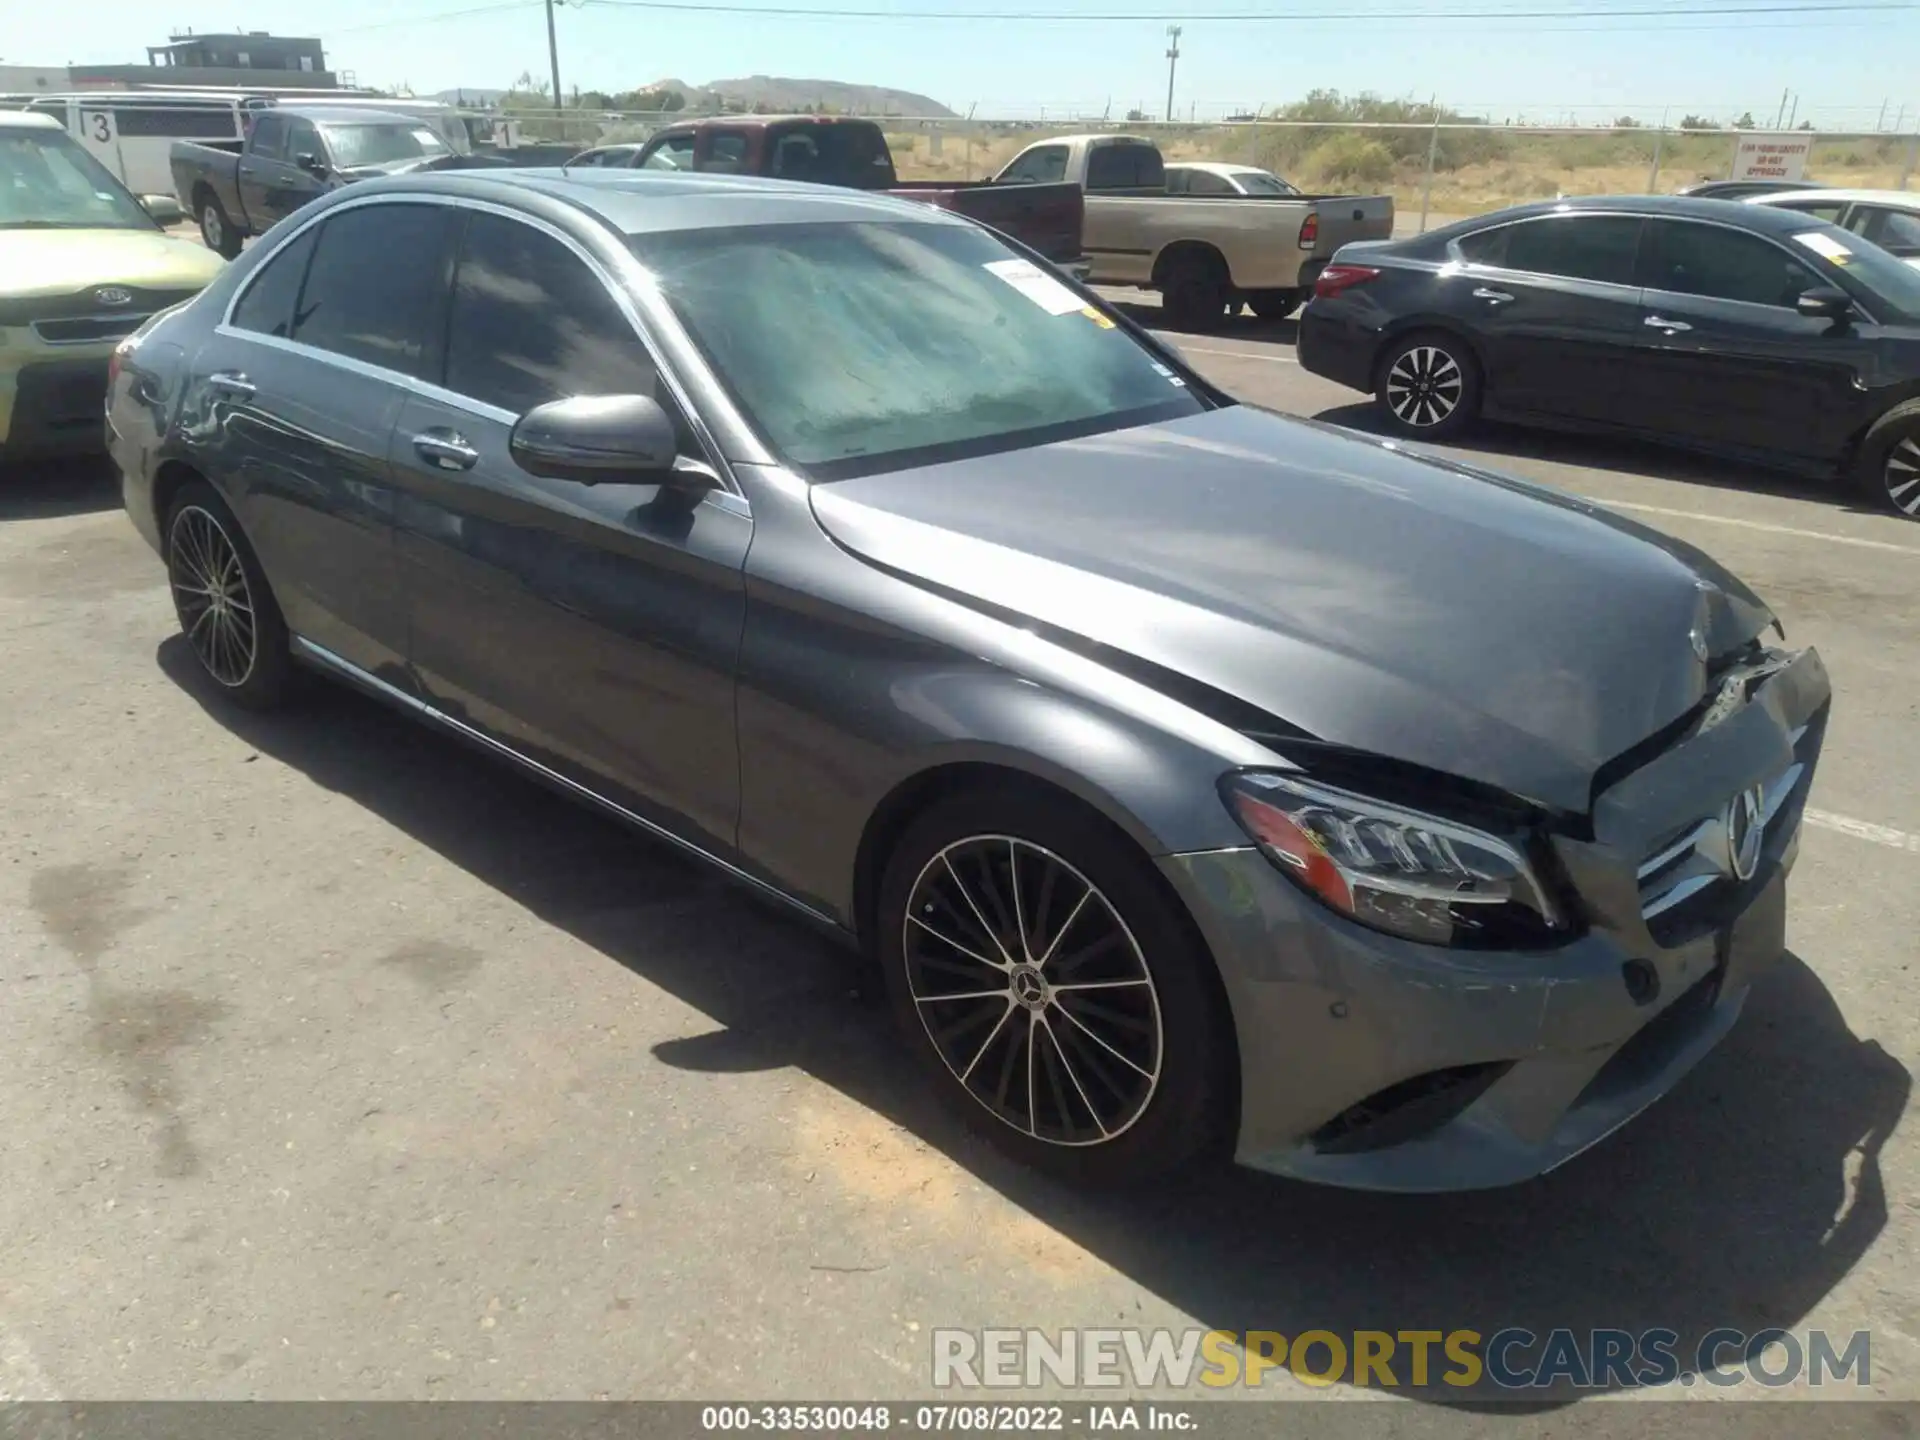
(845, 150)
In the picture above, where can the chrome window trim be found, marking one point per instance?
(615, 285)
(1453, 250)
(326, 659)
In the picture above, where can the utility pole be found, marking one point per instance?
(1881, 123)
(1794, 111)
(1173, 59)
(553, 54)
(1781, 113)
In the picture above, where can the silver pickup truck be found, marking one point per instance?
(1205, 255)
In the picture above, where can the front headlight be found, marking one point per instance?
(1395, 870)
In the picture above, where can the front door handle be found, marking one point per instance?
(1672, 327)
(1498, 297)
(445, 450)
(231, 382)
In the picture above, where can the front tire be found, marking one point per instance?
(1888, 471)
(1274, 304)
(1428, 386)
(1052, 990)
(220, 595)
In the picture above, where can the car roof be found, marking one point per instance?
(338, 114)
(637, 202)
(1901, 199)
(1764, 218)
(28, 120)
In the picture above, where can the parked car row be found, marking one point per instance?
(1756, 330)
(1201, 781)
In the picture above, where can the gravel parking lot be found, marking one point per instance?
(336, 1061)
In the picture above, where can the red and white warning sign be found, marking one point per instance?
(1771, 157)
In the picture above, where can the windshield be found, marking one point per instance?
(382, 144)
(1259, 182)
(47, 182)
(864, 347)
(1888, 282)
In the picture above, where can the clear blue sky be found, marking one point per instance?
(1593, 63)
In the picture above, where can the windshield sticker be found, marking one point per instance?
(426, 137)
(1097, 318)
(1038, 286)
(1825, 245)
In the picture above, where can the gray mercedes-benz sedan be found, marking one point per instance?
(1197, 777)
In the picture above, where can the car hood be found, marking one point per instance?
(58, 262)
(1406, 607)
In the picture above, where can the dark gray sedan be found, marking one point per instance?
(1198, 778)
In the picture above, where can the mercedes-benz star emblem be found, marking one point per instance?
(1746, 829)
(1028, 988)
(112, 295)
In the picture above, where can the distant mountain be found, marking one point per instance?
(470, 96)
(774, 93)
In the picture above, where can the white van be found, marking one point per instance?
(131, 132)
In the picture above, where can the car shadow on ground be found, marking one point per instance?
(1739, 1201)
(1497, 441)
(49, 489)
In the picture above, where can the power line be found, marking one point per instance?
(1284, 16)
(434, 18)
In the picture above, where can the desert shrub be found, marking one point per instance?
(1352, 158)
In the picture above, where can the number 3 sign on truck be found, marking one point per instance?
(1771, 157)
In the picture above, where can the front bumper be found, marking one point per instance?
(53, 404)
(1374, 1063)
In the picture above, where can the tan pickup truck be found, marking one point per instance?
(1205, 255)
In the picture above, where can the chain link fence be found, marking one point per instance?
(1439, 171)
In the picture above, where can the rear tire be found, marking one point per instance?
(225, 607)
(1427, 386)
(1887, 473)
(216, 230)
(1274, 304)
(1053, 992)
(1195, 292)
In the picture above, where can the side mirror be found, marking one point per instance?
(603, 440)
(164, 209)
(1824, 302)
(310, 163)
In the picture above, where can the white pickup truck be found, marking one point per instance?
(1206, 255)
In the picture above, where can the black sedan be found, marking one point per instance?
(1195, 776)
(1735, 329)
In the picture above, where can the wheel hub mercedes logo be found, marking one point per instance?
(1746, 829)
(1028, 988)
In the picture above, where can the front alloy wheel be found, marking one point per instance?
(1053, 989)
(1032, 990)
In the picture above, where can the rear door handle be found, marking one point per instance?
(445, 450)
(1498, 297)
(231, 382)
(1672, 327)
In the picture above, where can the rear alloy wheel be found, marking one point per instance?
(226, 611)
(1059, 1003)
(216, 230)
(1888, 470)
(1428, 386)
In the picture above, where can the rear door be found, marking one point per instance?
(1726, 360)
(261, 160)
(296, 400)
(593, 628)
(1553, 306)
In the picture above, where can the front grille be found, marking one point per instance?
(1692, 863)
(87, 330)
(35, 310)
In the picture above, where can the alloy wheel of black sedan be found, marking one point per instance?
(211, 595)
(1032, 990)
(1901, 476)
(1425, 386)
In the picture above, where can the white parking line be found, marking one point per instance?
(1230, 354)
(1864, 830)
(1823, 535)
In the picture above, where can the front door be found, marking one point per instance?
(1552, 304)
(1727, 359)
(303, 391)
(592, 628)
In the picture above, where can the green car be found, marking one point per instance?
(82, 264)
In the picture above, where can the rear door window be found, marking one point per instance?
(379, 314)
(266, 306)
(1895, 230)
(1128, 167)
(269, 138)
(1570, 247)
(727, 152)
